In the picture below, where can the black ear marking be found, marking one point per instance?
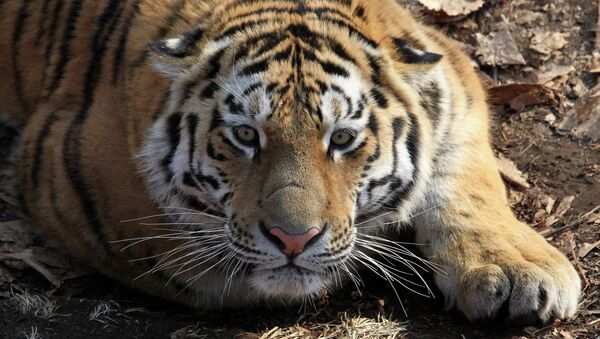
(179, 47)
(411, 55)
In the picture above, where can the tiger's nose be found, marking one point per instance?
(292, 244)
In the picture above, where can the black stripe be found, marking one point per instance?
(283, 55)
(359, 11)
(269, 41)
(397, 128)
(238, 151)
(209, 91)
(353, 31)
(256, 67)
(251, 88)
(72, 141)
(214, 64)
(65, 45)
(36, 164)
(333, 69)
(234, 107)
(226, 197)
(212, 153)
(51, 38)
(265, 11)
(232, 30)
(412, 144)
(347, 100)
(189, 181)
(207, 179)
(119, 52)
(380, 99)
(42, 19)
(16, 39)
(354, 152)
(362, 104)
(340, 51)
(173, 134)
(216, 120)
(192, 122)
(196, 204)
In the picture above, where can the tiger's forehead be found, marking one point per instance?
(294, 90)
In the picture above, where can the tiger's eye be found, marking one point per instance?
(342, 138)
(246, 135)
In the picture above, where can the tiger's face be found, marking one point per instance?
(291, 132)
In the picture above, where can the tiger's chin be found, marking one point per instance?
(291, 282)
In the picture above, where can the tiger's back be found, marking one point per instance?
(263, 134)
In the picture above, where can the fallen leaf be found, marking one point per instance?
(583, 121)
(564, 206)
(511, 173)
(551, 72)
(550, 204)
(586, 248)
(545, 42)
(518, 96)
(498, 48)
(561, 334)
(524, 16)
(453, 8)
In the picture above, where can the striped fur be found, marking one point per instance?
(131, 110)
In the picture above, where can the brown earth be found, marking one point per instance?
(556, 164)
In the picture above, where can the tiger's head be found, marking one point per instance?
(290, 121)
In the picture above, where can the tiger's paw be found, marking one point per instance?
(531, 291)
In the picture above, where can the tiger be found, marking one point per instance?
(239, 153)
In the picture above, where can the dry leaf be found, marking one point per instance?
(453, 8)
(511, 173)
(561, 334)
(584, 120)
(564, 206)
(545, 42)
(553, 71)
(498, 48)
(524, 16)
(586, 248)
(550, 204)
(519, 96)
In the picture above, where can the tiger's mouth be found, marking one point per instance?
(289, 281)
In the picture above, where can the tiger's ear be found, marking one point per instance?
(408, 54)
(169, 55)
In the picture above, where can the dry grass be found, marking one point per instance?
(33, 334)
(350, 327)
(102, 313)
(37, 305)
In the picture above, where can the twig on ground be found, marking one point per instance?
(572, 247)
(552, 232)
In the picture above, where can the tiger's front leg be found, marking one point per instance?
(491, 259)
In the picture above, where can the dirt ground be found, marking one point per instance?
(43, 294)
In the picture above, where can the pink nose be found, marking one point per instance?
(293, 243)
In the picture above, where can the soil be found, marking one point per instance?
(557, 165)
